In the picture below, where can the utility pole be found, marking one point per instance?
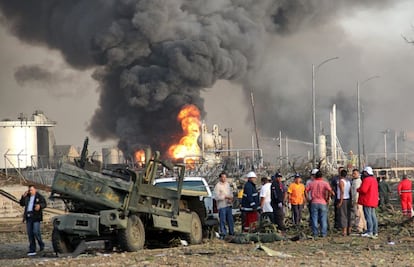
(254, 121)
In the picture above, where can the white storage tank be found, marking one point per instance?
(18, 144)
(322, 147)
(112, 156)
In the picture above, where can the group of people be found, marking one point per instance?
(355, 200)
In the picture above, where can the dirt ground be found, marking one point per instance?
(394, 247)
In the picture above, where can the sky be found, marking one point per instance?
(367, 40)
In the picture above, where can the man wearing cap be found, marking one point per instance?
(368, 198)
(278, 198)
(250, 203)
(406, 198)
(296, 193)
(320, 191)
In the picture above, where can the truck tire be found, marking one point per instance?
(194, 204)
(196, 234)
(133, 237)
(61, 243)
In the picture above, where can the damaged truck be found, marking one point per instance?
(122, 207)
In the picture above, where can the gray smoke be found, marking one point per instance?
(152, 57)
(27, 74)
(47, 76)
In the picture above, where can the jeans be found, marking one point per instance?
(297, 214)
(319, 213)
(33, 233)
(371, 218)
(226, 216)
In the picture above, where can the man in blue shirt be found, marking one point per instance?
(34, 204)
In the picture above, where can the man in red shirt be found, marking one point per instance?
(320, 191)
(406, 195)
(368, 198)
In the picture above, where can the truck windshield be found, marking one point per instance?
(187, 185)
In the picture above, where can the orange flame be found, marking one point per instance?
(189, 116)
(140, 156)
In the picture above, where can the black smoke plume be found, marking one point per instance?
(152, 57)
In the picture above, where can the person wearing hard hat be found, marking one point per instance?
(250, 203)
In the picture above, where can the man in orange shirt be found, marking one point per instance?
(296, 193)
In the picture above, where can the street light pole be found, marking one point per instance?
(359, 127)
(385, 149)
(314, 70)
(359, 118)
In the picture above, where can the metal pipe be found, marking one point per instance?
(228, 131)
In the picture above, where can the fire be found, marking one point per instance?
(189, 116)
(140, 156)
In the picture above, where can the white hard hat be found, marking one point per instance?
(368, 169)
(314, 171)
(251, 174)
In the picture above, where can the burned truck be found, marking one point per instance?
(122, 206)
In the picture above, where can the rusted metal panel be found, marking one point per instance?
(182, 223)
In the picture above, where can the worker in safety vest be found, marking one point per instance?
(406, 197)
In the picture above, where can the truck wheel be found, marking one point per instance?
(61, 243)
(196, 234)
(133, 237)
(194, 204)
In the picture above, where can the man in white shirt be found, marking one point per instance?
(224, 200)
(265, 199)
